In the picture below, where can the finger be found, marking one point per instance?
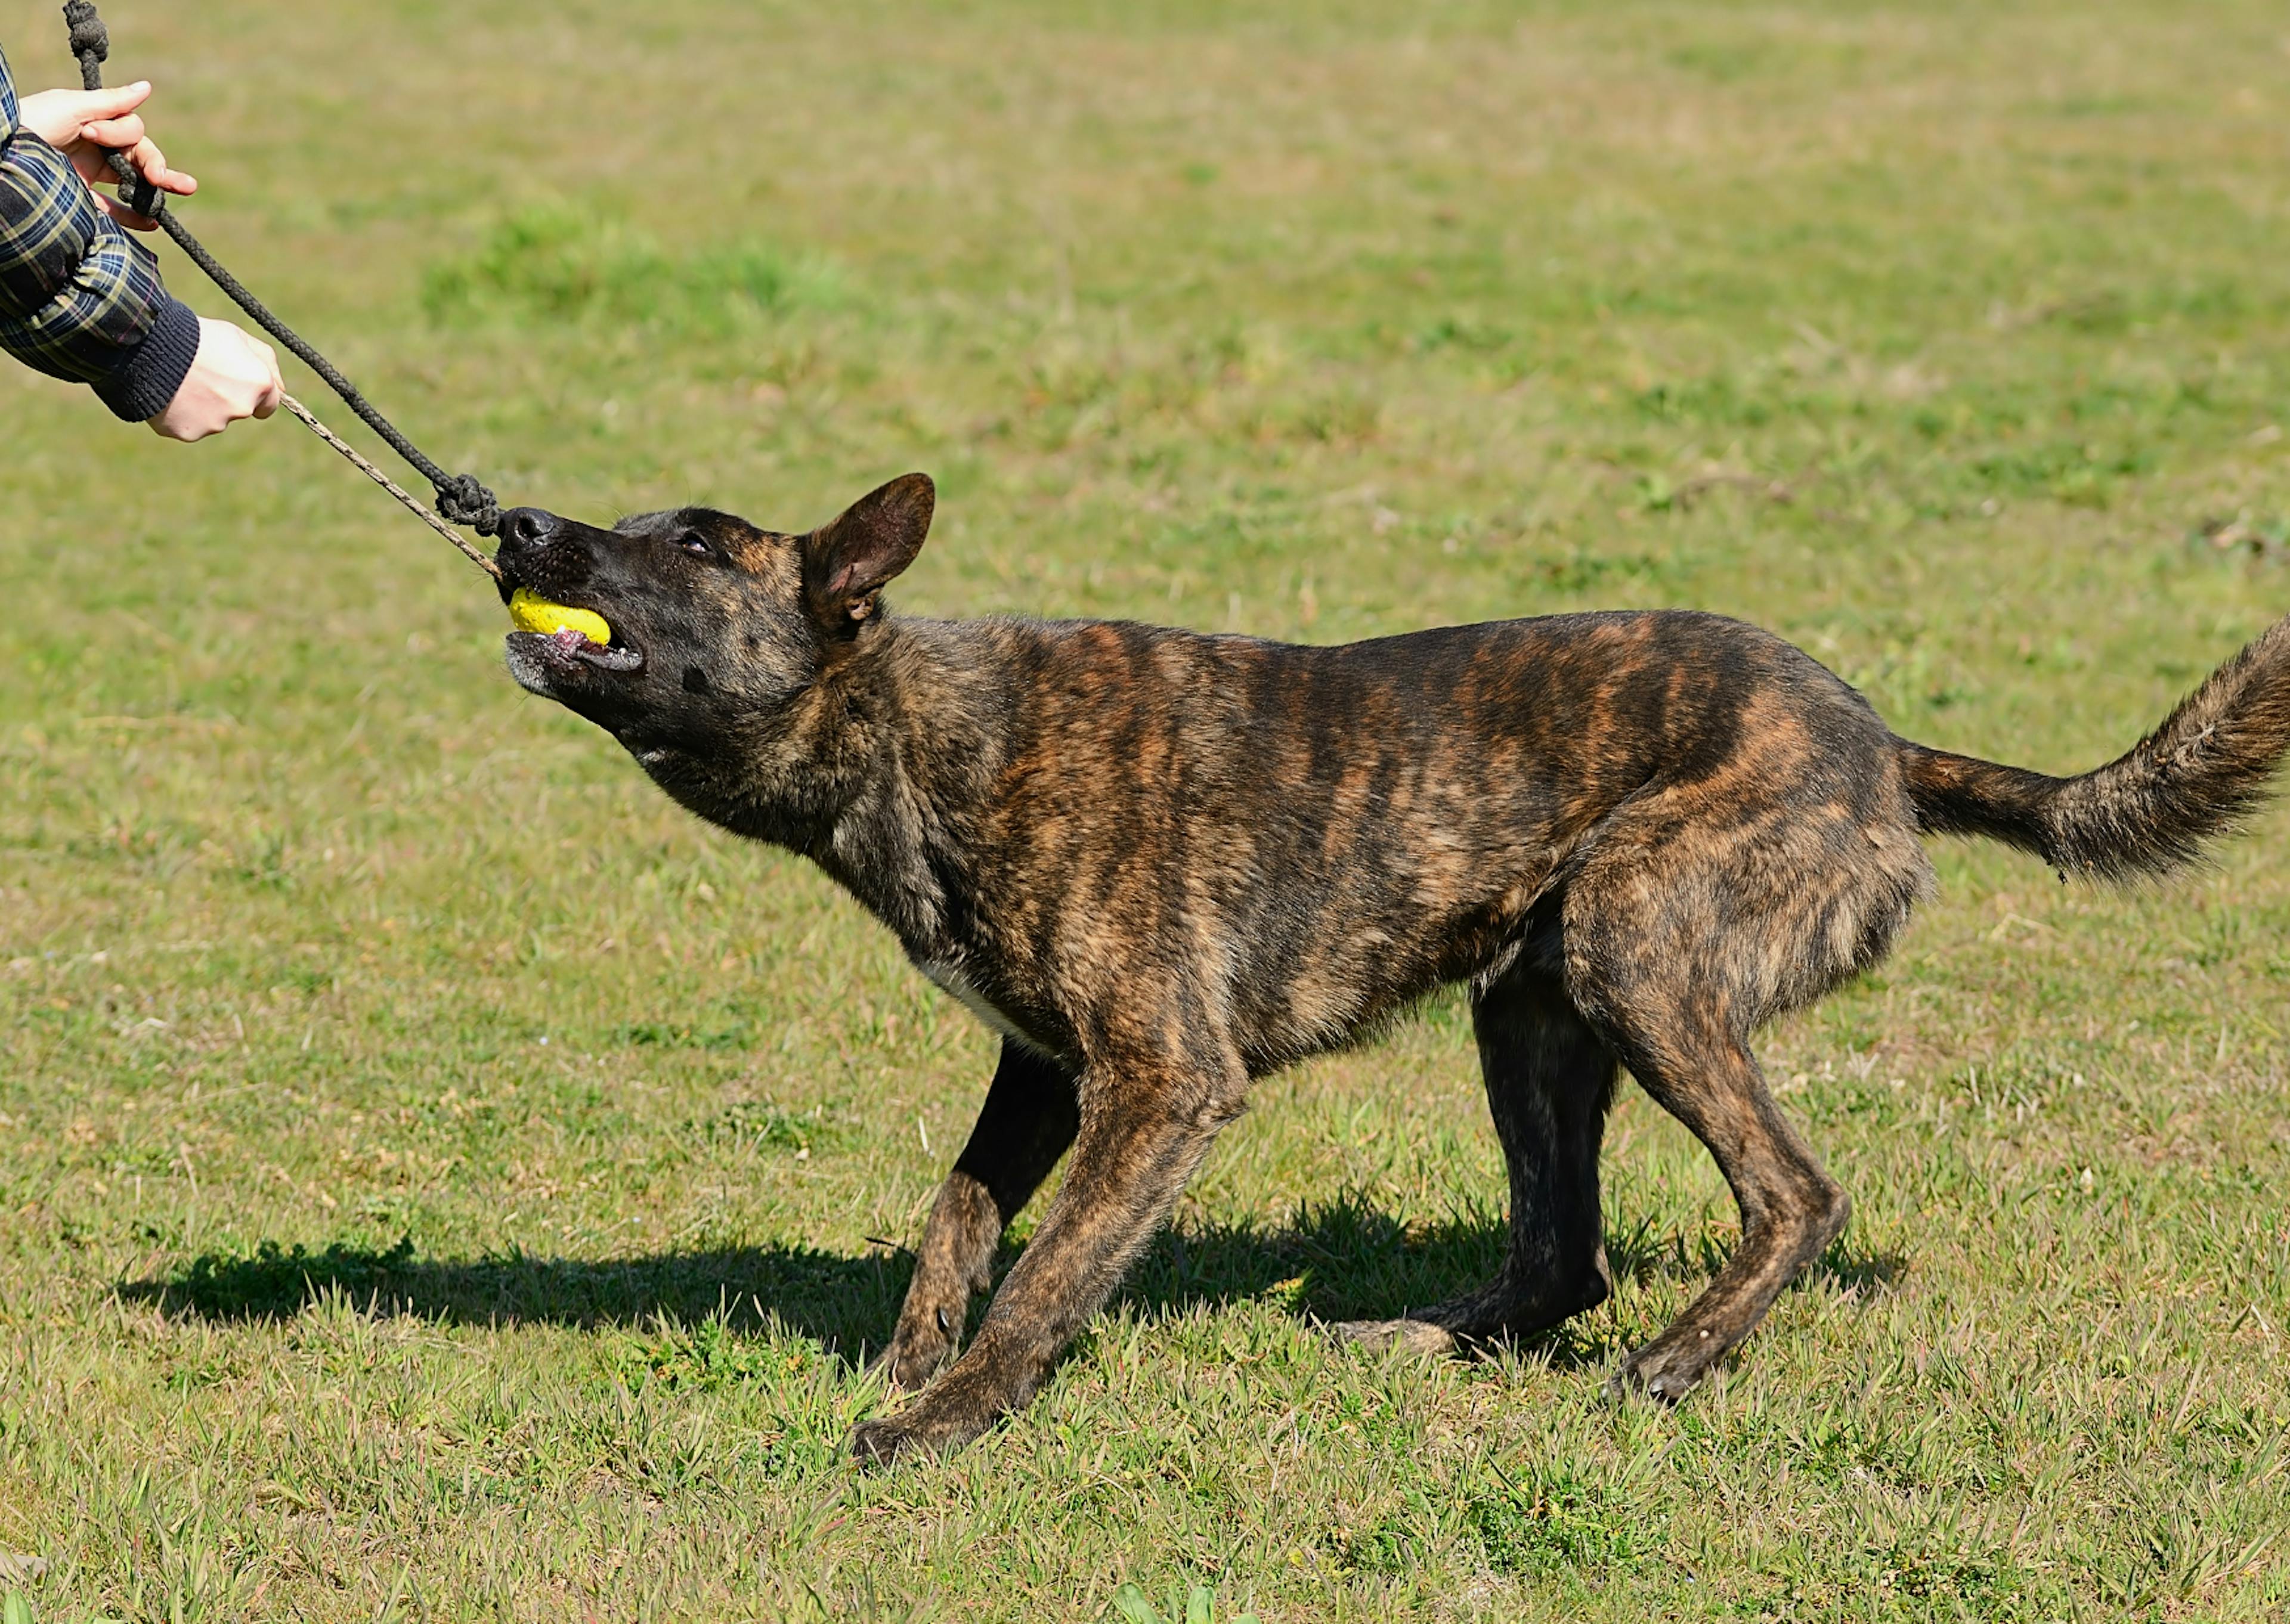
(125, 215)
(149, 162)
(115, 101)
(86, 108)
(140, 153)
(120, 132)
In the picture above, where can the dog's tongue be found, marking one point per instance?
(529, 612)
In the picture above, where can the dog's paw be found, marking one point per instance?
(878, 1445)
(1413, 1336)
(1656, 1373)
(915, 1433)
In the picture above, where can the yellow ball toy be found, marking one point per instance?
(529, 612)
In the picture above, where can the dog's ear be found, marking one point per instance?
(849, 559)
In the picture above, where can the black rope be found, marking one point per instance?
(461, 498)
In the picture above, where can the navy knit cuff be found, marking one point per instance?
(141, 385)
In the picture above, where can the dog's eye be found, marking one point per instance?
(692, 542)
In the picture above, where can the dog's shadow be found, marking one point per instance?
(1345, 1260)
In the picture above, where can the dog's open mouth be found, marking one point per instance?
(564, 636)
(569, 648)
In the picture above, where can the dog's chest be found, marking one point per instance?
(950, 980)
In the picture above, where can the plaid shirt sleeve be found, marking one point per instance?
(79, 298)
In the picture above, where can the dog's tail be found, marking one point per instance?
(2150, 809)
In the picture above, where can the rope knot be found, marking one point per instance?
(465, 501)
(88, 36)
(143, 198)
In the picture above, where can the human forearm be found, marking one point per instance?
(79, 298)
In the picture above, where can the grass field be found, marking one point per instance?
(440, 1180)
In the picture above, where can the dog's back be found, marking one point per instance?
(1319, 833)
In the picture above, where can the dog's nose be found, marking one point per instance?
(527, 527)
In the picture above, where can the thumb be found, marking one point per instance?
(86, 108)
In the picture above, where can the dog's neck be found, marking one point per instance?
(876, 772)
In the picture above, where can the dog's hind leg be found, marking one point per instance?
(1146, 1122)
(1677, 947)
(1026, 1125)
(1548, 1080)
(1691, 1061)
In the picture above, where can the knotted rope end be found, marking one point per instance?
(463, 501)
(88, 36)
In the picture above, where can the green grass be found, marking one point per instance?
(439, 1180)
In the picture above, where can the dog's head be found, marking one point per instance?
(716, 626)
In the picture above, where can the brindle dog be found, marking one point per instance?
(1161, 865)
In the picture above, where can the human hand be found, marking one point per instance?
(86, 126)
(233, 376)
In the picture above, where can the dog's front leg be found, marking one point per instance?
(1027, 1122)
(1145, 1126)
